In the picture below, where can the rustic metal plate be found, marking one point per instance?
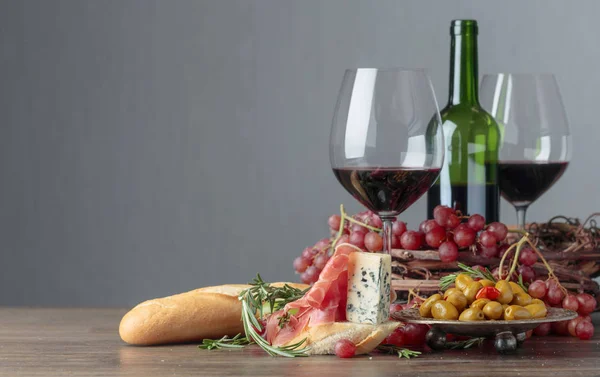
(484, 328)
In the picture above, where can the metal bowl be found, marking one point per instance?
(511, 332)
(484, 328)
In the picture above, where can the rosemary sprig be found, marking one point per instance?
(448, 280)
(253, 301)
(237, 341)
(464, 344)
(402, 352)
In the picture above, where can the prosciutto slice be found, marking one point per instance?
(325, 302)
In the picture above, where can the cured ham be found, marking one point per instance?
(325, 302)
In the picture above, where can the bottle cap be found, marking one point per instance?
(463, 27)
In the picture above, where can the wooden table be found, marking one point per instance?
(85, 342)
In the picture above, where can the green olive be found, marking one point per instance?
(521, 298)
(480, 303)
(462, 281)
(515, 312)
(487, 283)
(471, 314)
(425, 308)
(471, 291)
(457, 299)
(516, 288)
(493, 310)
(537, 310)
(444, 310)
(450, 291)
(506, 293)
(537, 301)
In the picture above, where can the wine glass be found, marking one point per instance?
(535, 139)
(386, 145)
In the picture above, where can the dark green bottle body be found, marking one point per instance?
(469, 178)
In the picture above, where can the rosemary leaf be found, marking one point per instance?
(402, 352)
(237, 341)
(253, 300)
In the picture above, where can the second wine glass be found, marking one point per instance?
(535, 137)
(386, 145)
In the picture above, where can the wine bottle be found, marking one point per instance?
(468, 180)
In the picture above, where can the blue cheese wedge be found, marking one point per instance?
(369, 279)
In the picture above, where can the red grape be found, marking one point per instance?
(357, 239)
(572, 326)
(343, 239)
(464, 236)
(376, 222)
(555, 295)
(322, 245)
(373, 241)
(537, 289)
(308, 255)
(320, 261)
(304, 278)
(452, 222)
(311, 274)
(398, 228)
(542, 330)
(571, 303)
(587, 303)
(500, 230)
(441, 213)
(584, 330)
(528, 257)
(300, 264)
(344, 348)
(396, 242)
(502, 249)
(489, 252)
(411, 240)
(586, 318)
(428, 225)
(449, 236)
(487, 239)
(435, 236)
(396, 338)
(334, 222)
(448, 252)
(527, 273)
(414, 334)
(560, 328)
(358, 228)
(476, 222)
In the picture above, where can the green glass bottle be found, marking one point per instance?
(468, 180)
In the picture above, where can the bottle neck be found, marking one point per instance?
(464, 79)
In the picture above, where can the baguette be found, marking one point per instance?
(322, 338)
(210, 312)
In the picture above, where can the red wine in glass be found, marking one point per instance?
(522, 182)
(386, 190)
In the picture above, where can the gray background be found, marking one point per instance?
(151, 147)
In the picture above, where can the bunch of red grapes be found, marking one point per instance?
(448, 232)
(554, 295)
(313, 259)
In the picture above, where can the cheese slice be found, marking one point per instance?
(369, 279)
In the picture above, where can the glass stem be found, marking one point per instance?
(387, 235)
(521, 210)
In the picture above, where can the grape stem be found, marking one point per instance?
(343, 218)
(519, 246)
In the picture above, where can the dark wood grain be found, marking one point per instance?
(84, 342)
